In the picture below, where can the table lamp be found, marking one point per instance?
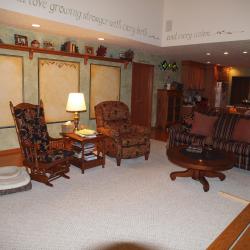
(76, 103)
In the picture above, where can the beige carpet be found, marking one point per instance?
(135, 206)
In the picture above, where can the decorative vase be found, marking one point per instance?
(101, 51)
(35, 44)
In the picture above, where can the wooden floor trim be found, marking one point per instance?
(228, 237)
(10, 151)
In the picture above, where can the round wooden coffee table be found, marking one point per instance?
(200, 166)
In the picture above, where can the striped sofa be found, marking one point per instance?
(222, 138)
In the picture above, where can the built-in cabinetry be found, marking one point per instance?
(168, 107)
(203, 77)
(193, 75)
(222, 73)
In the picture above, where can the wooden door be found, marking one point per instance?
(141, 97)
(240, 89)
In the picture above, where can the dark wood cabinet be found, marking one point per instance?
(168, 107)
(193, 75)
(222, 73)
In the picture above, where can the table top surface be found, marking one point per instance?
(224, 162)
(83, 139)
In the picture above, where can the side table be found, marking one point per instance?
(79, 145)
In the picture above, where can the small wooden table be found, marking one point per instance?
(199, 168)
(82, 163)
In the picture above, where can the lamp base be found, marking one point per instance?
(76, 120)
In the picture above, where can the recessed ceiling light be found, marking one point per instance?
(218, 64)
(226, 53)
(208, 62)
(208, 53)
(100, 38)
(244, 52)
(35, 25)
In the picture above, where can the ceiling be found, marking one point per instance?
(195, 52)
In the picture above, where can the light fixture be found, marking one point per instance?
(208, 62)
(100, 38)
(76, 103)
(35, 25)
(244, 52)
(226, 53)
(208, 53)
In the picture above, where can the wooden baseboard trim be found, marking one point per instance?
(236, 234)
(10, 151)
(234, 198)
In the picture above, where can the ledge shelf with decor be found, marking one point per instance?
(86, 57)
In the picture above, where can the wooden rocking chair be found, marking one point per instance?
(46, 158)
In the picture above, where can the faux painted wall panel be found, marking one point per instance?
(8, 137)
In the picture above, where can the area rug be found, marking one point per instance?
(135, 204)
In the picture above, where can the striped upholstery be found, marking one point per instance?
(184, 138)
(225, 125)
(240, 149)
(222, 139)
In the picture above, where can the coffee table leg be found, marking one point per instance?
(221, 176)
(205, 183)
(187, 173)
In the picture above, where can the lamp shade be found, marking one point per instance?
(76, 102)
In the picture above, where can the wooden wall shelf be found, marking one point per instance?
(86, 57)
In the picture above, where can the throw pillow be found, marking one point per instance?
(241, 131)
(203, 124)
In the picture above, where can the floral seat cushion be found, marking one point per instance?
(54, 155)
(132, 139)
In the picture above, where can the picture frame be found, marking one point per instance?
(21, 40)
(89, 50)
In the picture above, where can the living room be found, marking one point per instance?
(103, 207)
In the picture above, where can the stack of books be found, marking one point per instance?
(89, 149)
(88, 133)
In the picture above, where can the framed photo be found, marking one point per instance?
(89, 50)
(21, 40)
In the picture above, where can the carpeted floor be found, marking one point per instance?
(134, 206)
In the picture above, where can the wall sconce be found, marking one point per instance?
(76, 103)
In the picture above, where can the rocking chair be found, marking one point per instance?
(46, 158)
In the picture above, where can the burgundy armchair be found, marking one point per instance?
(124, 140)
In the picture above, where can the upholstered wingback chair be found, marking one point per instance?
(45, 157)
(124, 140)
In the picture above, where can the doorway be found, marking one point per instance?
(141, 96)
(240, 89)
